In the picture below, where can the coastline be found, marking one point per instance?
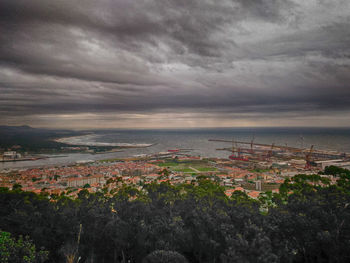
(71, 140)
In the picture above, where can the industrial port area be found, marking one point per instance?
(311, 158)
(250, 167)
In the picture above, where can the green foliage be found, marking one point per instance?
(301, 184)
(167, 164)
(308, 221)
(164, 172)
(206, 169)
(334, 170)
(251, 245)
(183, 169)
(21, 250)
(343, 176)
(163, 256)
(17, 187)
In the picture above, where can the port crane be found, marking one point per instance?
(308, 158)
(263, 150)
(251, 145)
(238, 156)
(289, 148)
(270, 152)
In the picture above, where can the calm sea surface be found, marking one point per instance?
(197, 139)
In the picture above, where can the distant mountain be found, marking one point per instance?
(15, 128)
(28, 129)
(30, 138)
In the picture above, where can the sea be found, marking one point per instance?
(196, 141)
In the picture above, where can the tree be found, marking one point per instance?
(163, 256)
(250, 245)
(17, 187)
(309, 221)
(20, 250)
(70, 249)
(312, 223)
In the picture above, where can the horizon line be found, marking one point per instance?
(177, 128)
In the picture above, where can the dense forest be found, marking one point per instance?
(307, 221)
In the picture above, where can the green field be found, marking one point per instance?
(184, 170)
(167, 164)
(206, 169)
(184, 166)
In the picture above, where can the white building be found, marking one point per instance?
(10, 155)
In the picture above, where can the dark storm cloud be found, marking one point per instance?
(201, 56)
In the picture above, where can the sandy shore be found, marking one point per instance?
(86, 140)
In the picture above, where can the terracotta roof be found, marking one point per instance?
(254, 194)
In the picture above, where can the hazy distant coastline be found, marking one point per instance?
(89, 140)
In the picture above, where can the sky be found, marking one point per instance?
(174, 63)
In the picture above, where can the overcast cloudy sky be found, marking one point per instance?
(174, 63)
